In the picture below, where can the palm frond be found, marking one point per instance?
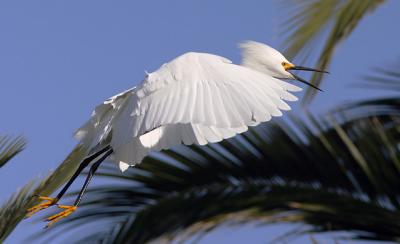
(10, 147)
(309, 21)
(383, 79)
(386, 78)
(15, 210)
(224, 205)
(333, 176)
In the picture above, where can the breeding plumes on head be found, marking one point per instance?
(197, 98)
(263, 58)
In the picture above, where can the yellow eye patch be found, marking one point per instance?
(287, 65)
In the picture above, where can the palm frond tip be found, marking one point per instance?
(10, 147)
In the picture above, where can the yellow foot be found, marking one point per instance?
(49, 202)
(68, 210)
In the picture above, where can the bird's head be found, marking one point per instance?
(263, 58)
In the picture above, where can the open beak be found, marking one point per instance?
(307, 69)
(304, 81)
(294, 67)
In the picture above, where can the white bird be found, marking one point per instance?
(197, 98)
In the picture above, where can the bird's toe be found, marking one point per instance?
(57, 217)
(43, 205)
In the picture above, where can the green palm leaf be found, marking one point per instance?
(333, 176)
(12, 208)
(310, 20)
(383, 79)
(10, 147)
(14, 211)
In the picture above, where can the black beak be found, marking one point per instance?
(307, 69)
(305, 82)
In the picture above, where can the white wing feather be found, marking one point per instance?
(194, 99)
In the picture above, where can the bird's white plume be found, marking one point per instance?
(263, 58)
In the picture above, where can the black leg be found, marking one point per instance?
(92, 170)
(82, 166)
(104, 153)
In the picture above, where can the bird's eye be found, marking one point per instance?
(284, 64)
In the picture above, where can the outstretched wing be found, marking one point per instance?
(195, 98)
(204, 89)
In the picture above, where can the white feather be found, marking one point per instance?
(196, 98)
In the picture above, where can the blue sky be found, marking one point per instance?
(58, 59)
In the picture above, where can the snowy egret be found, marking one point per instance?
(197, 98)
